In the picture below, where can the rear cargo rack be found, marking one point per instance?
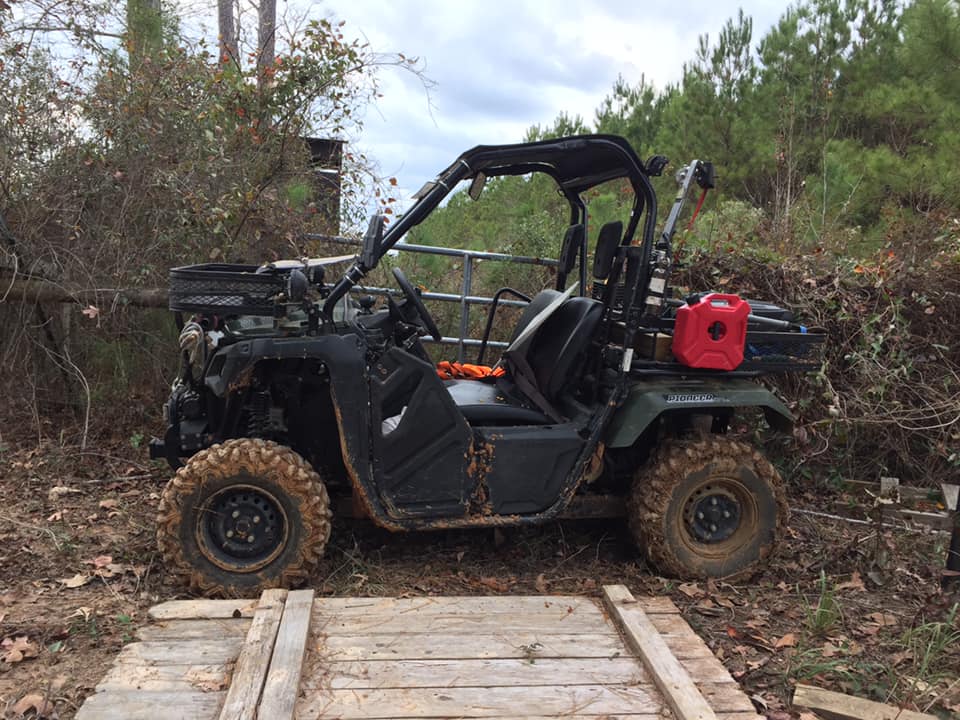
(763, 353)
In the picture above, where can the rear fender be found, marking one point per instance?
(647, 400)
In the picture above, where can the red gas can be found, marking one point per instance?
(711, 333)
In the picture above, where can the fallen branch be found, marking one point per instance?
(38, 290)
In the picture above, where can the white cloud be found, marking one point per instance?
(503, 65)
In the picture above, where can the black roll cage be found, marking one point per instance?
(576, 164)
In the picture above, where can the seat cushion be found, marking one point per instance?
(482, 403)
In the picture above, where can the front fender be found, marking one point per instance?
(648, 399)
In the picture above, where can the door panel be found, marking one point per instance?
(419, 464)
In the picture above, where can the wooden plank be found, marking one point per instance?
(194, 629)
(685, 645)
(653, 605)
(452, 647)
(384, 674)
(518, 701)
(848, 707)
(681, 694)
(578, 622)
(472, 604)
(202, 609)
(203, 678)
(906, 492)
(171, 652)
(145, 705)
(587, 716)
(706, 669)
(673, 625)
(254, 659)
(725, 697)
(938, 520)
(283, 679)
(951, 495)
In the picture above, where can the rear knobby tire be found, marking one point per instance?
(711, 508)
(243, 516)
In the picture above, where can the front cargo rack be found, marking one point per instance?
(224, 289)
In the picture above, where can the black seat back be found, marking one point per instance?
(533, 308)
(557, 351)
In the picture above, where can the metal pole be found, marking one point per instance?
(464, 305)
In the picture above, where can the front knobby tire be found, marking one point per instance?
(711, 508)
(243, 516)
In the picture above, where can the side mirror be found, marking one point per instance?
(372, 239)
(607, 243)
(476, 187)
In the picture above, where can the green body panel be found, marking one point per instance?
(649, 398)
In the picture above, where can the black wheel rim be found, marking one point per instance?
(720, 515)
(713, 515)
(242, 528)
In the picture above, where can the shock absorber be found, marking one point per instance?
(258, 414)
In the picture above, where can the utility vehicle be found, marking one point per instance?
(612, 396)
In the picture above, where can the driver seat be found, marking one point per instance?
(540, 368)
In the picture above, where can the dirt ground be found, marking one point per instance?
(849, 607)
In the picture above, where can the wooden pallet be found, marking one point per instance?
(290, 655)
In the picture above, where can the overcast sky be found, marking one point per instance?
(501, 66)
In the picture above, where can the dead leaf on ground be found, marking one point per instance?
(883, 619)
(76, 581)
(690, 589)
(58, 491)
(34, 702)
(898, 658)
(17, 648)
(854, 583)
(109, 504)
(788, 640)
(84, 612)
(495, 584)
(105, 567)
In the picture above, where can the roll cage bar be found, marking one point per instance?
(576, 164)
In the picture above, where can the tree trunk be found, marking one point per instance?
(228, 31)
(144, 29)
(23, 289)
(266, 37)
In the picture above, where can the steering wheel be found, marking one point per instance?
(417, 303)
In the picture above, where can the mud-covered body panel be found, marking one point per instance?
(648, 399)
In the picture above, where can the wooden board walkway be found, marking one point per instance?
(290, 655)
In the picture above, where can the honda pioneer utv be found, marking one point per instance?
(611, 396)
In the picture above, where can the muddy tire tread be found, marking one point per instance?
(294, 475)
(655, 481)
